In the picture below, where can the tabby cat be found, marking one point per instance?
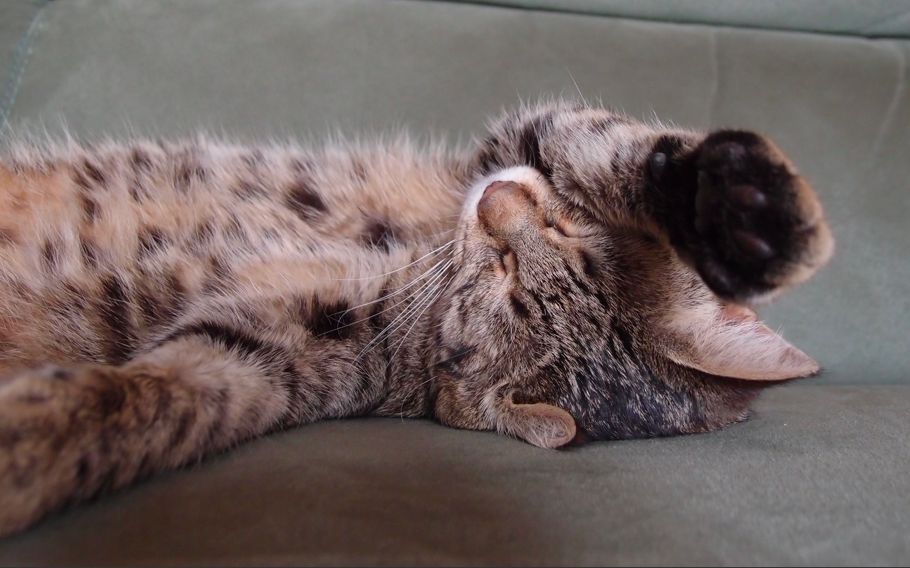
(576, 276)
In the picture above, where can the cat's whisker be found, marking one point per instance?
(398, 291)
(418, 306)
(439, 234)
(399, 320)
(428, 301)
(430, 254)
(436, 236)
(398, 303)
(402, 318)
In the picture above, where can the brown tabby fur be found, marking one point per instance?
(576, 276)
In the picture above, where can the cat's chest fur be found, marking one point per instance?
(331, 255)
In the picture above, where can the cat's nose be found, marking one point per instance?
(504, 207)
(496, 186)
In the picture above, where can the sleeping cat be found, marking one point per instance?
(576, 276)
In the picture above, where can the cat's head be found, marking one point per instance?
(558, 328)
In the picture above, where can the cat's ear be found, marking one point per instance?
(730, 341)
(540, 424)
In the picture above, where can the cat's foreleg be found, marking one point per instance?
(729, 202)
(68, 434)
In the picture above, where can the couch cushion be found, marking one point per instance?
(817, 477)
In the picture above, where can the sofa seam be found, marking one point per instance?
(740, 26)
(20, 62)
(878, 23)
(714, 93)
(896, 98)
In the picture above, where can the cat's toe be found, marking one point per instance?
(717, 276)
(748, 197)
(750, 245)
(758, 222)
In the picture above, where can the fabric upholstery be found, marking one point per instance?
(888, 18)
(19, 25)
(817, 476)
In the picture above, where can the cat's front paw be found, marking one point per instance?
(757, 227)
(49, 429)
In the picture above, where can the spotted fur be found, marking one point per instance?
(575, 276)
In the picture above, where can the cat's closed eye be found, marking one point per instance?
(508, 261)
(556, 227)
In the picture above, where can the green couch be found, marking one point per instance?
(819, 475)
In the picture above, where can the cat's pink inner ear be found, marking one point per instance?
(730, 341)
(735, 313)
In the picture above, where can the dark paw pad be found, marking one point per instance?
(751, 220)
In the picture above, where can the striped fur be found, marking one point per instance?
(575, 276)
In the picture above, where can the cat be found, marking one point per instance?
(576, 275)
